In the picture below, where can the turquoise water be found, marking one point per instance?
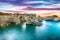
(48, 31)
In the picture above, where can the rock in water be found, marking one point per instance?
(37, 23)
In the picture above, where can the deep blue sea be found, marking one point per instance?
(48, 31)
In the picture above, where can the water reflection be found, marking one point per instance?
(24, 26)
(41, 31)
(30, 30)
(10, 35)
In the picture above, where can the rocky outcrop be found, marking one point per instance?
(33, 21)
(52, 18)
(19, 19)
(56, 19)
(3, 23)
(40, 19)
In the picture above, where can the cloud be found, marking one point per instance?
(56, 5)
(43, 4)
(43, 11)
(7, 6)
(35, 2)
(13, 8)
(11, 0)
(48, 6)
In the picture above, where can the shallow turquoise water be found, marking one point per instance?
(48, 31)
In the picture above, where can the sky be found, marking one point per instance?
(21, 5)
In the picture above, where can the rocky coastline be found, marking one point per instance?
(30, 19)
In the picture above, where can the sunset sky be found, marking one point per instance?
(21, 5)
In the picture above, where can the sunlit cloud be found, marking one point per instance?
(42, 11)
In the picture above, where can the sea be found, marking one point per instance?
(48, 31)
